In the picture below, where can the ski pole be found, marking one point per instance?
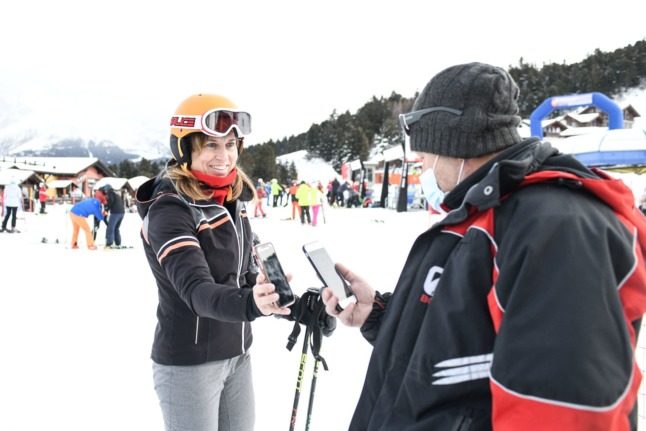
(312, 389)
(323, 210)
(299, 380)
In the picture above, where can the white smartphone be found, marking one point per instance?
(268, 262)
(324, 267)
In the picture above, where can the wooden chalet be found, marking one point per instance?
(585, 120)
(62, 175)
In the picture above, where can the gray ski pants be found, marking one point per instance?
(216, 396)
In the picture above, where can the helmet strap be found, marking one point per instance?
(181, 150)
(240, 145)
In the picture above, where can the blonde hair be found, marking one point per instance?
(187, 184)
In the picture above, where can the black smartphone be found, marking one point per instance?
(324, 267)
(273, 271)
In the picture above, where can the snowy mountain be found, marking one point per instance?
(37, 143)
(39, 122)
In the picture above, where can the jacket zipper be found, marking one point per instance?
(240, 249)
(240, 252)
(197, 327)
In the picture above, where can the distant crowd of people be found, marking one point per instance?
(106, 206)
(307, 198)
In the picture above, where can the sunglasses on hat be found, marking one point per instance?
(410, 118)
(216, 122)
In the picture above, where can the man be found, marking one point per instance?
(520, 309)
(276, 190)
(114, 206)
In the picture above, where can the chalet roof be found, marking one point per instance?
(116, 183)
(629, 107)
(584, 118)
(55, 165)
(624, 106)
(19, 176)
(554, 121)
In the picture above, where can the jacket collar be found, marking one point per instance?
(498, 177)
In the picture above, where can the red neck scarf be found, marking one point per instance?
(220, 186)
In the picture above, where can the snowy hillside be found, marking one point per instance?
(309, 170)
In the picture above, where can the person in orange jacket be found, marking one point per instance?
(292, 194)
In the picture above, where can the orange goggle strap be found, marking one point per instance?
(216, 122)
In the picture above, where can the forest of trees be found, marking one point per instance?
(346, 136)
(145, 167)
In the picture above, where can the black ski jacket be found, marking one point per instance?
(519, 310)
(115, 203)
(200, 255)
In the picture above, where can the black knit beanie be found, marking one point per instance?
(488, 99)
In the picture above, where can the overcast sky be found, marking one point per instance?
(106, 66)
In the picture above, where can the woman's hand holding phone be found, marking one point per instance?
(354, 314)
(266, 298)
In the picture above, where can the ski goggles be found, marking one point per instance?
(216, 122)
(410, 118)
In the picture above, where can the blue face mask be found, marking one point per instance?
(432, 192)
(434, 196)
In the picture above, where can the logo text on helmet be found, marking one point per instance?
(182, 121)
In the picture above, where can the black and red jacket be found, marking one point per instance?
(200, 255)
(519, 310)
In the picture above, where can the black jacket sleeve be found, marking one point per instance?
(172, 235)
(370, 328)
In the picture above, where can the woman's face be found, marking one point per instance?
(217, 157)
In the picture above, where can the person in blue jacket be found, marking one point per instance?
(79, 214)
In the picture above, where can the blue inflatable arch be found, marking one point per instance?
(600, 100)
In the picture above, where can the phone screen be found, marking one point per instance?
(324, 266)
(274, 272)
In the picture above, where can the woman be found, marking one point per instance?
(198, 241)
(11, 201)
(79, 214)
(260, 194)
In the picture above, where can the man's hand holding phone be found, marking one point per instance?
(356, 313)
(328, 274)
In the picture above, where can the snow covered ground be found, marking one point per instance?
(76, 325)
